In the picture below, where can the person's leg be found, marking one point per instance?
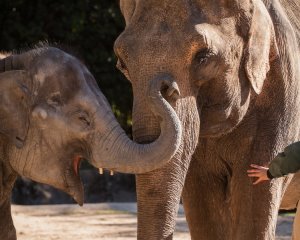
(290, 201)
(296, 225)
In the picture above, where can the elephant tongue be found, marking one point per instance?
(76, 163)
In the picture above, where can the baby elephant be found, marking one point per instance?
(69, 120)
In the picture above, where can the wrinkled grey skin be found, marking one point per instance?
(236, 63)
(15, 102)
(15, 105)
(70, 119)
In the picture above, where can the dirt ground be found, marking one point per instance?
(113, 221)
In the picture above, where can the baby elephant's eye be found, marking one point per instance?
(85, 120)
(81, 119)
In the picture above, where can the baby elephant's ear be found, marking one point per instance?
(14, 75)
(15, 103)
(260, 47)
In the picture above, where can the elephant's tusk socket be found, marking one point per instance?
(100, 171)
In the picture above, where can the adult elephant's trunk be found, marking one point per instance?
(113, 149)
(159, 191)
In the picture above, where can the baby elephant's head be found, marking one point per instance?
(70, 120)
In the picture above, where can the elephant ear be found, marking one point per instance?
(19, 76)
(260, 47)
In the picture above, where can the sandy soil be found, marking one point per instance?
(115, 221)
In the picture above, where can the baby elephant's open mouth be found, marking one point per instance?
(76, 163)
(73, 183)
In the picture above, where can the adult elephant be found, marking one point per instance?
(70, 120)
(237, 68)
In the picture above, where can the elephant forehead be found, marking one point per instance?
(64, 77)
(48, 65)
(49, 68)
(161, 25)
(179, 11)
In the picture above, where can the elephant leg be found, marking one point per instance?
(254, 208)
(205, 205)
(220, 204)
(7, 229)
(296, 225)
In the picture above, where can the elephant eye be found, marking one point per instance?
(123, 68)
(84, 119)
(81, 119)
(203, 56)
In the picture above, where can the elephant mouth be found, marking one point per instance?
(73, 183)
(73, 155)
(76, 163)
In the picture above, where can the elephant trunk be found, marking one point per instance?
(159, 191)
(114, 150)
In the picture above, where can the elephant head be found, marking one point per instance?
(15, 99)
(71, 120)
(209, 48)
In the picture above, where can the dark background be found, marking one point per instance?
(88, 28)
